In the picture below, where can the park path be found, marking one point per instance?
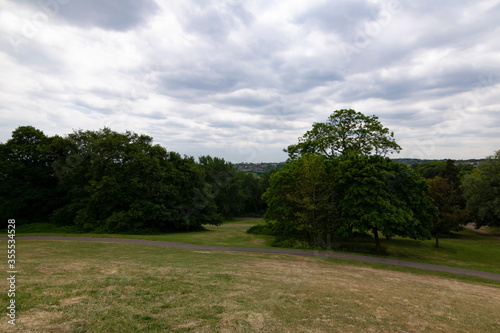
(483, 230)
(344, 256)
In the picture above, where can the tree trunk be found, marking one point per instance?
(377, 240)
(350, 231)
(437, 241)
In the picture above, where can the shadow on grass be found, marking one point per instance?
(468, 235)
(48, 228)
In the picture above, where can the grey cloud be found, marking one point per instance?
(341, 17)
(297, 80)
(39, 57)
(106, 14)
(156, 115)
(246, 101)
(233, 62)
(87, 107)
(446, 80)
(214, 19)
(185, 81)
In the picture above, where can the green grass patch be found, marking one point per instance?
(493, 230)
(465, 249)
(105, 287)
(230, 233)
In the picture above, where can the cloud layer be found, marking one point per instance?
(242, 80)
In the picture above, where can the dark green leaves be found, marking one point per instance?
(102, 181)
(379, 194)
(346, 132)
(481, 190)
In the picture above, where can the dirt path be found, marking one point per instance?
(345, 256)
(482, 230)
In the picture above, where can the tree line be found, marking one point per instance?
(338, 180)
(104, 181)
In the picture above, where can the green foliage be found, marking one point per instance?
(450, 215)
(481, 190)
(301, 200)
(452, 173)
(236, 192)
(260, 229)
(380, 195)
(28, 186)
(131, 185)
(104, 181)
(429, 170)
(337, 181)
(346, 132)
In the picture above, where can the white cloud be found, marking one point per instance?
(242, 80)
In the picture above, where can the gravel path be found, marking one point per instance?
(345, 256)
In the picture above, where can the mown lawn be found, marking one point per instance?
(231, 233)
(467, 249)
(106, 287)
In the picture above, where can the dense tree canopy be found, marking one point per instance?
(481, 190)
(102, 181)
(338, 179)
(27, 181)
(378, 194)
(236, 192)
(346, 132)
(324, 197)
(429, 170)
(450, 215)
(301, 198)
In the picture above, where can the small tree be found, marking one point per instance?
(345, 133)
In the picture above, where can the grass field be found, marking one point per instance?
(231, 233)
(466, 249)
(105, 287)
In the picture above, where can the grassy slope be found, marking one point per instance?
(103, 287)
(467, 250)
(231, 233)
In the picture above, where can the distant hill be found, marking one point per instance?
(258, 167)
(263, 167)
(409, 161)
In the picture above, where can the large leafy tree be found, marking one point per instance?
(346, 132)
(121, 182)
(28, 185)
(450, 215)
(379, 195)
(362, 189)
(301, 199)
(481, 190)
(103, 181)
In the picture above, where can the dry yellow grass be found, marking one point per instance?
(80, 287)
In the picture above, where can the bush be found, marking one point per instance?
(292, 243)
(260, 229)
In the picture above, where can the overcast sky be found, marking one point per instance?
(244, 79)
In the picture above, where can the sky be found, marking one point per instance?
(242, 80)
